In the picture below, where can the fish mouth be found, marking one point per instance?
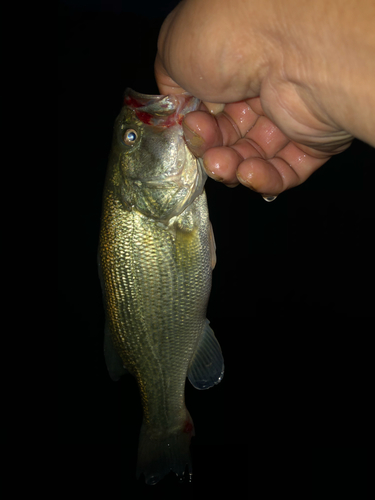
(160, 110)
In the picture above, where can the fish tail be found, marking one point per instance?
(158, 454)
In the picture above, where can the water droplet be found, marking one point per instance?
(269, 198)
(152, 479)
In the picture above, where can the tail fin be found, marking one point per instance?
(158, 455)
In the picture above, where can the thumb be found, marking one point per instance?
(165, 83)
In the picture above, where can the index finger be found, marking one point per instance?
(224, 129)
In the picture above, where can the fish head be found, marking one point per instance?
(156, 173)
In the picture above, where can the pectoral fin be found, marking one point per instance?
(113, 360)
(207, 366)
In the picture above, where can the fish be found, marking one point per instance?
(156, 256)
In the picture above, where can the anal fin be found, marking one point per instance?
(207, 365)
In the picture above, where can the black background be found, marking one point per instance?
(291, 303)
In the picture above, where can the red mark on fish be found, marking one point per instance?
(167, 120)
(188, 427)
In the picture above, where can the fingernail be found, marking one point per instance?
(266, 197)
(212, 174)
(213, 107)
(193, 140)
(245, 182)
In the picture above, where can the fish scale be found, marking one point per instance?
(156, 255)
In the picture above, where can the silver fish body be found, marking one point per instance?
(156, 256)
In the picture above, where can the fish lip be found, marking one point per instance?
(139, 100)
(160, 110)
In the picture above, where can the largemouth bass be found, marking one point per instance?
(156, 256)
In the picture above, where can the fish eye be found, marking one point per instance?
(130, 136)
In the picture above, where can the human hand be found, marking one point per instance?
(278, 123)
(242, 145)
